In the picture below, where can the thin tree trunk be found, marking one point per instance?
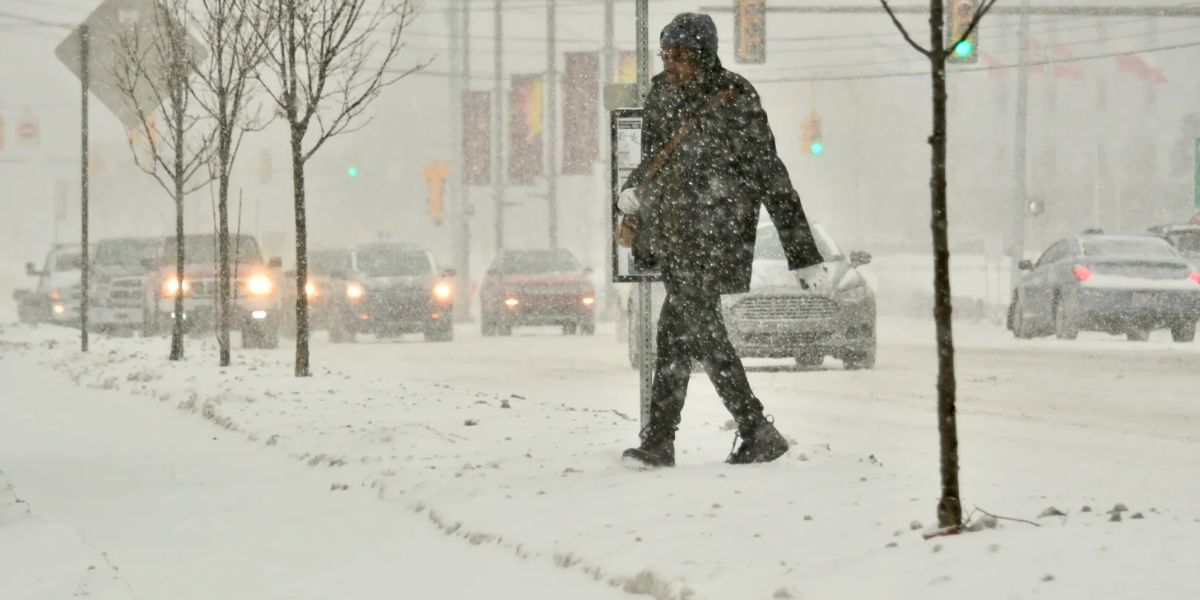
(950, 506)
(224, 273)
(177, 328)
(302, 369)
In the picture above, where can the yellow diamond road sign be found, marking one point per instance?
(121, 23)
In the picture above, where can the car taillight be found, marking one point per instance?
(1195, 277)
(1082, 273)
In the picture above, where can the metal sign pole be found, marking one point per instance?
(645, 327)
(84, 51)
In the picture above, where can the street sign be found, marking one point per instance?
(626, 147)
(120, 21)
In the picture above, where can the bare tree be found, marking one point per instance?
(228, 81)
(328, 60)
(151, 70)
(949, 508)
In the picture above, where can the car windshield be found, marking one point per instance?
(382, 261)
(202, 250)
(539, 261)
(768, 247)
(1187, 241)
(1130, 246)
(324, 262)
(68, 261)
(126, 253)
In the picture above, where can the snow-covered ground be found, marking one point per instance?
(488, 468)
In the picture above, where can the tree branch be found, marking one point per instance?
(903, 31)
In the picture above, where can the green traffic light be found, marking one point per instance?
(352, 171)
(817, 148)
(964, 49)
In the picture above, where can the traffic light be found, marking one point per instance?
(959, 15)
(750, 27)
(814, 143)
(436, 172)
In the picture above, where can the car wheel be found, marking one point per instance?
(487, 326)
(1020, 327)
(503, 327)
(587, 328)
(1184, 332)
(1138, 335)
(340, 333)
(570, 328)
(810, 360)
(860, 360)
(443, 333)
(1064, 323)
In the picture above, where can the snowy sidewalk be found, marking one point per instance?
(122, 497)
(534, 475)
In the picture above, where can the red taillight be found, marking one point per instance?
(1195, 277)
(1081, 273)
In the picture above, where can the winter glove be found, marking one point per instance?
(628, 201)
(814, 278)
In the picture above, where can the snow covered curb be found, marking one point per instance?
(538, 477)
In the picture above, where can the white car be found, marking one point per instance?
(779, 318)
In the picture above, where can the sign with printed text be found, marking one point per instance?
(626, 126)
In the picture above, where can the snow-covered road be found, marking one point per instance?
(510, 444)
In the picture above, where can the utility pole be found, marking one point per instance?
(459, 19)
(644, 306)
(85, 49)
(1102, 112)
(498, 128)
(552, 122)
(609, 64)
(1017, 248)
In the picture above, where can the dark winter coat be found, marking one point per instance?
(700, 211)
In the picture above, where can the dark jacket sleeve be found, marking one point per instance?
(653, 137)
(773, 182)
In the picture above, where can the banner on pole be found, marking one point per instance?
(477, 137)
(526, 104)
(581, 123)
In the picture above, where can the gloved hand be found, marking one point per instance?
(628, 201)
(814, 278)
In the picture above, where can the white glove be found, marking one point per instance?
(814, 278)
(628, 201)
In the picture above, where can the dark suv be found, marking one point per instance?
(390, 289)
(537, 287)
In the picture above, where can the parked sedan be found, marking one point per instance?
(537, 287)
(780, 318)
(1126, 285)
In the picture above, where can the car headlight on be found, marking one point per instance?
(512, 302)
(172, 287)
(355, 291)
(589, 300)
(311, 290)
(443, 291)
(260, 285)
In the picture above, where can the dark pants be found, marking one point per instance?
(691, 329)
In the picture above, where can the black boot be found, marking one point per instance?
(656, 450)
(761, 443)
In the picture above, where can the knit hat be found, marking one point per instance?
(691, 30)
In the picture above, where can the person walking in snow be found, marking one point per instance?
(708, 165)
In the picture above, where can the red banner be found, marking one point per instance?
(1070, 70)
(581, 112)
(526, 121)
(1132, 63)
(477, 137)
